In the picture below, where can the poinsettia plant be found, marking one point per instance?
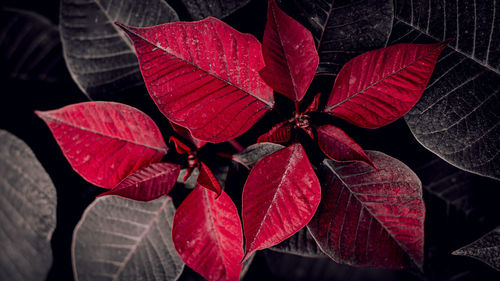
(213, 83)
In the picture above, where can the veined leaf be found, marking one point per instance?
(121, 239)
(208, 82)
(485, 249)
(368, 217)
(105, 141)
(208, 180)
(279, 133)
(187, 135)
(99, 56)
(301, 243)
(200, 9)
(27, 213)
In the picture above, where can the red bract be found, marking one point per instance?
(105, 141)
(207, 235)
(371, 218)
(207, 179)
(148, 183)
(280, 196)
(208, 82)
(279, 133)
(187, 135)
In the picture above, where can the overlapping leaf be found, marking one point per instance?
(368, 217)
(207, 235)
(200, 9)
(121, 239)
(187, 135)
(99, 56)
(377, 87)
(485, 249)
(279, 133)
(255, 152)
(203, 76)
(280, 196)
(208, 180)
(27, 213)
(105, 141)
(301, 243)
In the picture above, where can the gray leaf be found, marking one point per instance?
(343, 30)
(100, 58)
(457, 117)
(27, 212)
(121, 239)
(200, 9)
(485, 249)
(255, 152)
(301, 243)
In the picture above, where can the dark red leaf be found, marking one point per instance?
(290, 54)
(377, 87)
(314, 104)
(368, 217)
(207, 179)
(203, 76)
(280, 133)
(187, 135)
(207, 235)
(280, 196)
(148, 183)
(180, 147)
(105, 141)
(337, 145)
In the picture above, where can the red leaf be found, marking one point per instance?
(105, 141)
(280, 196)
(187, 135)
(203, 76)
(280, 133)
(290, 54)
(377, 87)
(339, 146)
(207, 235)
(207, 179)
(313, 107)
(180, 147)
(371, 218)
(148, 183)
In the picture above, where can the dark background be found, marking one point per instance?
(447, 228)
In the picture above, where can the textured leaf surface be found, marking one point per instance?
(208, 82)
(485, 249)
(27, 212)
(208, 180)
(301, 243)
(376, 88)
(105, 141)
(255, 152)
(279, 133)
(99, 56)
(343, 29)
(457, 118)
(290, 55)
(337, 145)
(121, 239)
(280, 196)
(371, 218)
(148, 183)
(207, 235)
(200, 9)
(30, 47)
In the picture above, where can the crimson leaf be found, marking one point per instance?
(187, 135)
(203, 76)
(368, 217)
(207, 235)
(377, 87)
(208, 180)
(279, 133)
(280, 196)
(105, 141)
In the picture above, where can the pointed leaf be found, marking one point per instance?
(121, 239)
(207, 179)
(105, 141)
(207, 235)
(148, 183)
(368, 217)
(279, 133)
(180, 147)
(290, 55)
(376, 88)
(255, 152)
(313, 107)
(200, 9)
(280, 196)
(485, 249)
(337, 145)
(207, 83)
(187, 135)
(28, 212)
(343, 29)
(301, 243)
(99, 56)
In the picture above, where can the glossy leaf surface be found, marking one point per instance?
(371, 218)
(148, 183)
(105, 141)
(377, 87)
(208, 83)
(120, 239)
(280, 196)
(207, 235)
(337, 145)
(27, 213)
(255, 152)
(200, 9)
(290, 55)
(208, 180)
(485, 249)
(279, 133)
